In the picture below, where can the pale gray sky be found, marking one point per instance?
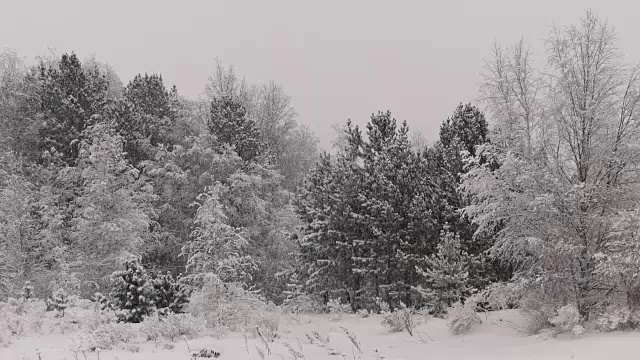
(337, 59)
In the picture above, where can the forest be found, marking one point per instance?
(141, 206)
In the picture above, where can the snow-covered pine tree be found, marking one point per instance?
(60, 301)
(394, 222)
(368, 217)
(445, 275)
(170, 295)
(325, 203)
(146, 117)
(70, 96)
(132, 293)
(460, 134)
(229, 123)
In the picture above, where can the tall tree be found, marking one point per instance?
(217, 249)
(460, 134)
(19, 105)
(558, 212)
(112, 213)
(147, 117)
(18, 226)
(230, 125)
(293, 150)
(369, 214)
(70, 97)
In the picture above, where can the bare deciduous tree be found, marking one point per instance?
(569, 162)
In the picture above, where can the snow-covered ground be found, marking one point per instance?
(496, 338)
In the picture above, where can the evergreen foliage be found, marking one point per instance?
(132, 293)
(60, 301)
(368, 217)
(231, 126)
(460, 134)
(445, 275)
(70, 96)
(170, 295)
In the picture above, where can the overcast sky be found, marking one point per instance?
(337, 59)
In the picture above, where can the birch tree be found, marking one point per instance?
(557, 211)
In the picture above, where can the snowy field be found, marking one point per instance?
(495, 338)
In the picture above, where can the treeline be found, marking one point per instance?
(230, 189)
(94, 173)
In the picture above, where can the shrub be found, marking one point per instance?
(19, 316)
(538, 309)
(500, 295)
(618, 318)
(267, 325)
(302, 303)
(172, 326)
(398, 320)
(35, 314)
(91, 320)
(226, 306)
(567, 318)
(108, 336)
(5, 335)
(463, 317)
(337, 309)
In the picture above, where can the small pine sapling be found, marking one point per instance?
(132, 293)
(60, 301)
(445, 275)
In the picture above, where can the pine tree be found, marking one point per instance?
(229, 123)
(132, 293)
(147, 117)
(460, 134)
(367, 217)
(70, 97)
(170, 295)
(445, 274)
(60, 301)
(324, 205)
